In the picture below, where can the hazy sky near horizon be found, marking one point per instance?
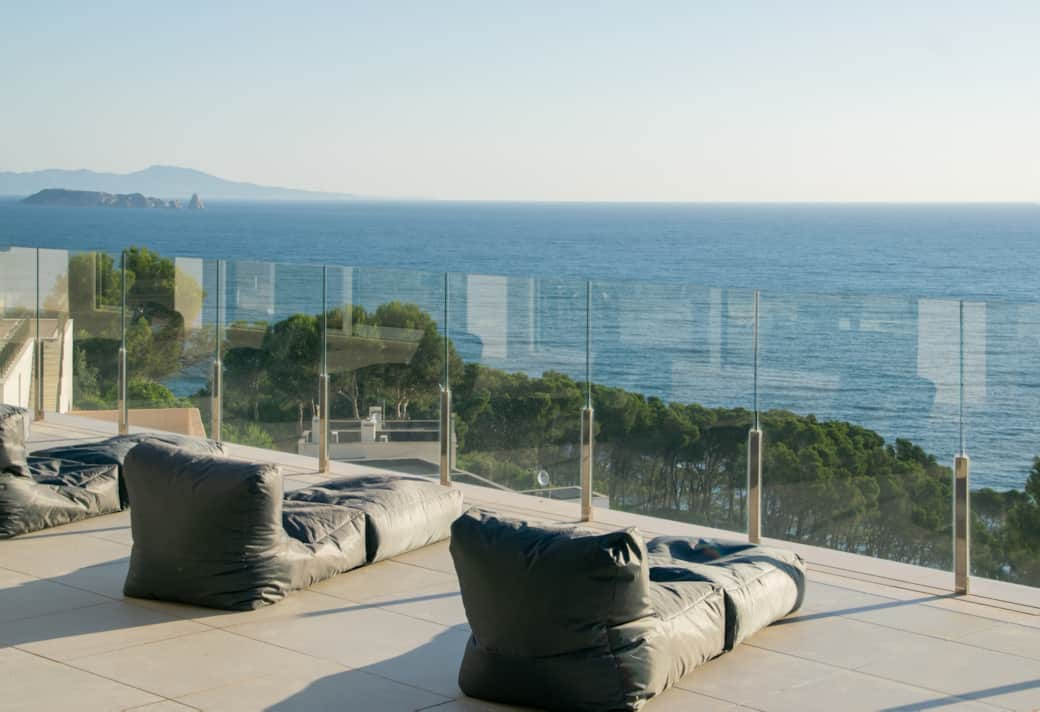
(679, 101)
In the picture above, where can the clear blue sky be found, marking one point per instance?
(698, 101)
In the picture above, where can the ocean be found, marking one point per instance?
(867, 313)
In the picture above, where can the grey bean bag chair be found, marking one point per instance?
(217, 532)
(39, 493)
(213, 531)
(761, 584)
(565, 618)
(113, 451)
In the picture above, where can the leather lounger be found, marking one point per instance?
(217, 532)
(565, 618)
(42, 492)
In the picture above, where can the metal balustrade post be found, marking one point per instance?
(216, 400)
(445, 436)
(124, 413)
(38, 410)
(754, 449)
(323, 379)
(323, 417)
(961, 490)
(587, 439)
(217, 393)
(754, 486)
(961, 525)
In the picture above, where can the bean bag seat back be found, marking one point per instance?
(564, 618)
(212, 531)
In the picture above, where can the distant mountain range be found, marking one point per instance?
(167, 182)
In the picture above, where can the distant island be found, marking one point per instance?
(95, 198)
(165, 181)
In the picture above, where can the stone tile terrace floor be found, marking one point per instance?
(871, 636)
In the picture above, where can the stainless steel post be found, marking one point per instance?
(216, 404)
(323, 416)
(124, 413)
(754, 486)
(323, 379)
(216, 400)
(40, 391)
(961, 525)
(445, 436)
(587, 438)
(124, 419)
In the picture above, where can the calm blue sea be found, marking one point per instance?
(868, 313)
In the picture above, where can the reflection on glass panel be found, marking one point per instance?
(170, 341)
(1002, 402)
(80, 331)
(520, 386)
(860, 395)
(271, 319)
(672, 367)
(386, 364)
(17, 325)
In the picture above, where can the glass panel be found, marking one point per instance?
(861, 426)
(170, 341)
(672, 367)
(386, 365)
(80, 325)
(519, 393)
(17, 325)
(1002, 402)
(271, 353)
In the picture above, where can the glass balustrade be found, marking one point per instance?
(170, 341)
(518, 381)
(1001, 406)
(863, 401)
(673, 377)
(860, 418)
(385, 364)
(271, 341)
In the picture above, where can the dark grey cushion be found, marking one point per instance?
(12, 439)
(39, 493)
(113, 451)
(761, 584)
(564, 618)
(402, 513)
(212, 531)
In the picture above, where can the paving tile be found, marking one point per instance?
(23, 596)
(924, 619)
(842, 642)
(34, 683)
(55, 556)
(381, 579)
(326, 686)
(164, 706)
(191, 663)
(1006, 638)
(439, 604)
(753, 676)
(364, 636)
(435, 556)
(854, 692)
(103, 579)
(70, 634)
(679, 700)
(839, 600)
(962, 670)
